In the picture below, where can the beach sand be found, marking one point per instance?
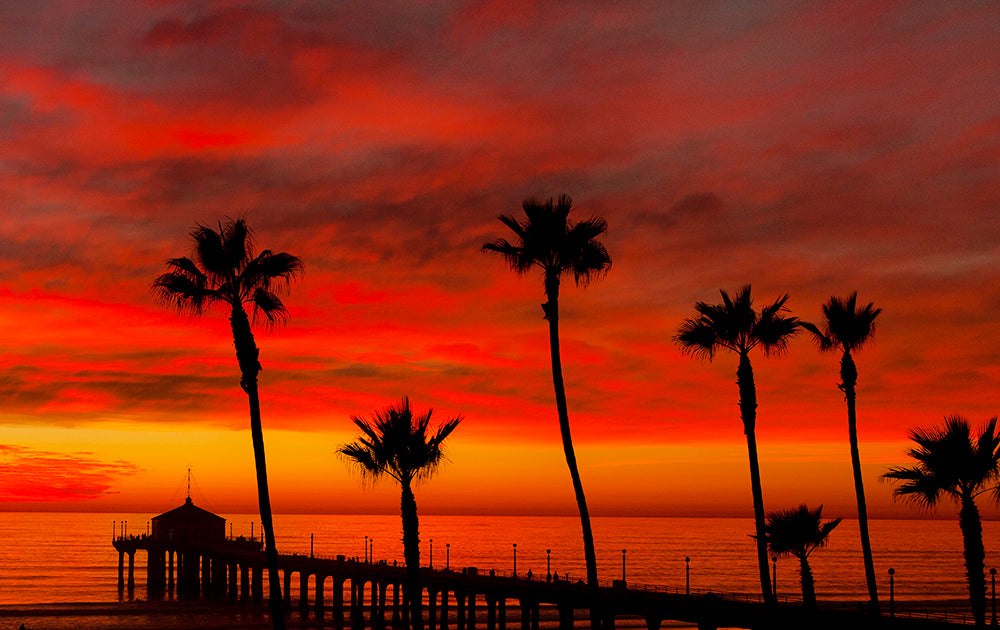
(203, 615)
(207, 615)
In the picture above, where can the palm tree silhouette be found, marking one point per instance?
(547, 240)
(952, 463)
(227, 273)
(397, 444)
(734, 325)
(847, 328)
(798, 533)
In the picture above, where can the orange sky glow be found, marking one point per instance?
(813, 148)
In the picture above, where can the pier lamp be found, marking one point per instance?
(548, 565)
(366, 549)
(312, 539)
(430, 555)
(114, 529)
(993, 581)
(687, 575)
(147, 527)
(892, 592)
(515, 559)
(124, 529)
(447, 555)
(623, 565)
(371, 543)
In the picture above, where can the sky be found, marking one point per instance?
(809, 148)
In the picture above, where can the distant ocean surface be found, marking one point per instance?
(68, 558)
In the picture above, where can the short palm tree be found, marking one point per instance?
(734, 325)
(227, 273)
(847, 328)
(548, 241)
(396, 444)
(952, 463)
(798, 533)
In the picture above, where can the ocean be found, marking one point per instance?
(67, 558)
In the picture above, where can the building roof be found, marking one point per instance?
(189, 512)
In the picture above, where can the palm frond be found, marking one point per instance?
(821, 338)
(210, 252)
(696, 336)
(183, 290)
(549, 241)
(797, 532)
(512, 254)
(950, 461)
(774, 329)
(846, 326)
(915, 485)
(359, 457)
(268, 269)
(236, 241)
(396, 443)
(270, 306)
(735, 325)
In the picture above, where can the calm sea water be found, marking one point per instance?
(64, 558)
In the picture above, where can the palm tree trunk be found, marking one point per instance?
(975, 557)
(808, 584)
(748, 412)
(551, 308)
(411, 555)
(247, 355)
(848, 383)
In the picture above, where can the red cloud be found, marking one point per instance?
(32, 475)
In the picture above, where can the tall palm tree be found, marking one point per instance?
(397, 444)
(227, 273)
(548, 241)
(734, 325)
(798, 533)
(847, 328)
(950, 462)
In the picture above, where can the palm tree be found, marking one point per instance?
(397, 444)
(734, 325)
(950, 462)
(547, 240)
(798, 533)
(228, 274)
(847, 328)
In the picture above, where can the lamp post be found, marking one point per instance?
(230, 531)
(147, 527)
(892, 592)
(687, 575)
(371, 543)
(312, 540)
(447, 555)
(251, 530)
(366, 549)
(548, 566)
(623, 566)
(774, 577)
(515, 559)
(124, 529)
(114, 530)
(993, 581)
(431, 555)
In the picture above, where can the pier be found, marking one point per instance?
(189, 557)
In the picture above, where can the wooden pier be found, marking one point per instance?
(188, 556)
(234, 570)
